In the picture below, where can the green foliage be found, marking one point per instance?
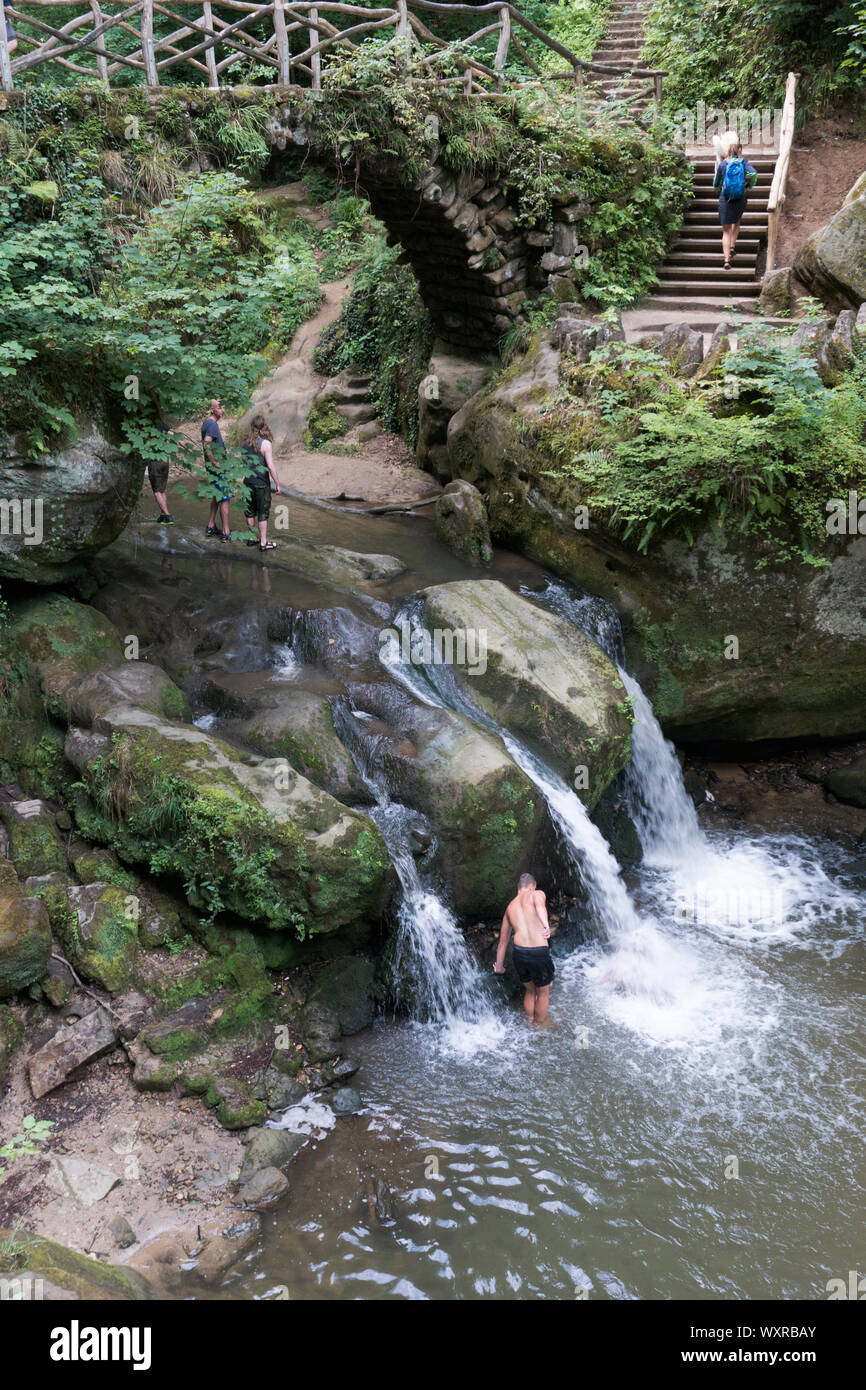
(737, 53)
(324, 423)
(651, 455)
(385, 330)
(195, 300)
(33, 1133)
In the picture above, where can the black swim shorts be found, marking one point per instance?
(534, 965)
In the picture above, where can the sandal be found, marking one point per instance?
(226, 536)
(211, 531)
(268, 545)
(727, 265)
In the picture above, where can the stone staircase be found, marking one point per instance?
(693, 270)
(620, 47)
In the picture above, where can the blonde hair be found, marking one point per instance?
(731, 144)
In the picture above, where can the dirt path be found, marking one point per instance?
(826, 160)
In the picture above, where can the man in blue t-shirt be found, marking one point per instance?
(216, 465)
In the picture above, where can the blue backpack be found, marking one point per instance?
(734, 185)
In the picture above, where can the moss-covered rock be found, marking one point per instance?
(81, 1276)
(345, 989)
(260, 842)
(539, 677)
(85, 493)
(25, 940)
(101, 942)
(301, 728)
(35, 846)
(461, 522)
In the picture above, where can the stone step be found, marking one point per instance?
(703, 183)
(677, 259)
(665, 305)
(698, 242)
(712, 204)
(762, 163)
(740, 289)
(710, 270)
(711, 219)
(356, 413)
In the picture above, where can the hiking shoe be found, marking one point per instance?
(165, 519)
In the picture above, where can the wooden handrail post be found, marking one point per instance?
(284, 52)
(101, 60)
(147, 49)
(404, 33)
(503, 46)
(316, 59)
(5, 62)
(210, 53)
(657, 89)
(780, 173)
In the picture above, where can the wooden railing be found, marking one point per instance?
(302, 37)
(780, 173)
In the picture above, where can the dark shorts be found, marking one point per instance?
(731, 210)
(258, 508)
(157, 476)
(10, 32)
(534, 965)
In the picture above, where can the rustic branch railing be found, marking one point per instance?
(303, 25)
(780, 173)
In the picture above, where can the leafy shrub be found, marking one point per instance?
(651, 454)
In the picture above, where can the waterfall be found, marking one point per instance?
(658, 803)
(586, 846)
(440, 980)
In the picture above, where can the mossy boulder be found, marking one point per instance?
(25, 940)
(101, 942)
(85, 491)
(832, 263)
(345, 989)
(484, 811)
(82, 1277)
(541, 678)
(259, 841)
(461, 522)
(35, 846)
(300, 727)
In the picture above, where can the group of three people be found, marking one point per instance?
(258, 453)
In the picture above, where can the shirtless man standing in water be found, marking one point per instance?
(526, 916)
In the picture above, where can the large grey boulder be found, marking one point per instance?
(299, 725)
(345, 989)
(832, 263)
(461, 522)
(775, 296)
(450, 382)
(64, 505)
(836, 353)
(541, 678)
(683, 346)
(484, 811)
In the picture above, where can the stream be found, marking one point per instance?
(687, 1127)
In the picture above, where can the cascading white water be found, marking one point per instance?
(754, 891)
(439, 978)
(654, 980)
